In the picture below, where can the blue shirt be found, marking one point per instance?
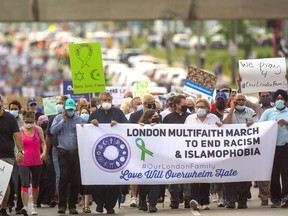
(274, 114)
(66, 131)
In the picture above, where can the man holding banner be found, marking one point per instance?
(239, 114)
(106, 196)
(9, 136)
(280, 168)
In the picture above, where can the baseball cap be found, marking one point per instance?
(70, 104)
(170, 96)
(32, 101)
(221, 95)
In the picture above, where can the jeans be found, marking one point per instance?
(55, 154)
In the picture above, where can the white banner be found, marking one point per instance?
(174, 153)
(262, 75)
(5, 174)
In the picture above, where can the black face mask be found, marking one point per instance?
(151, 106)
(184, 109)
(155, 120)
(190, 108)
(44, 126)
(220, 105)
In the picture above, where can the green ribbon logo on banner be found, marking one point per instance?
(141, 145)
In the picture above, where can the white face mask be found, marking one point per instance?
(106, 106)
(28, 126)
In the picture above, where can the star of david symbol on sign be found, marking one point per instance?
(79, 76)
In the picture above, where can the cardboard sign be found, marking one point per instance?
(5, 174)
(140, 89)
(201, 82)
(86, 68)
(260, 75)
(49, 105)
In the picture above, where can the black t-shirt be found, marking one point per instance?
(54, 138)
(219, 115)
(175, 118)
(8, 126)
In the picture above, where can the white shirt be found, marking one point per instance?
(165, 112)
(210, 119)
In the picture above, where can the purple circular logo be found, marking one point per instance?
(111, 153)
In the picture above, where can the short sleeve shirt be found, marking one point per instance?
(8, 126)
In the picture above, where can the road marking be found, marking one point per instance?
(195, 213)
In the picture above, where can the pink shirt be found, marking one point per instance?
(32, 150)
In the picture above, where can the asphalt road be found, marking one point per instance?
(254, 209)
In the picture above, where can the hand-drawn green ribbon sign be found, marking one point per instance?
(86, 68)
(141, 145)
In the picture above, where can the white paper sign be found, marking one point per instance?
(117, 92)
(262, 75)
(176, 153)
(5, 174)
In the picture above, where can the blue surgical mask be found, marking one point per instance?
(15, 113)
(70, 113)
(227, 95)
(265, 101)
(201, 112)
(139, 107)
(280, 104)
(85, 117)
(59, 108)
(238, 107)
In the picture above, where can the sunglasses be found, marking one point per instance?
(33, 104)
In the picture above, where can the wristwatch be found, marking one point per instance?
(22, 152)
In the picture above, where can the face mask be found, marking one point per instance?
(280, 104)
(220, 105)
(15, 113)
(155, 120)
(139, 107)
(70, 113)
(238, 107)
(28, 126)
(227, 95)
(59, 108)
(265, 101)
(106, 106)
(85, 117)
(190, 108)
(201, 112)
(151, 106)
(44, 126)
(21, 116)
(184, 109)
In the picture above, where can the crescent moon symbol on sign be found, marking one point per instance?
(92, 74)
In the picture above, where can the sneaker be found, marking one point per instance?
(110, 211)
(174, 205)
(205, 207)
(213, 197)
(24, 211)
(264, 202)
(61, 210)
(194, 205)
(99, 208)
(133, 202)
(284, 203)
(230, 205)
(152, 209)
(73, 211)
(34, 210)
(220, 202)
(143, 206)
(276, 204)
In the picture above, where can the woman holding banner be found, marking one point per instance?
(199, 192)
